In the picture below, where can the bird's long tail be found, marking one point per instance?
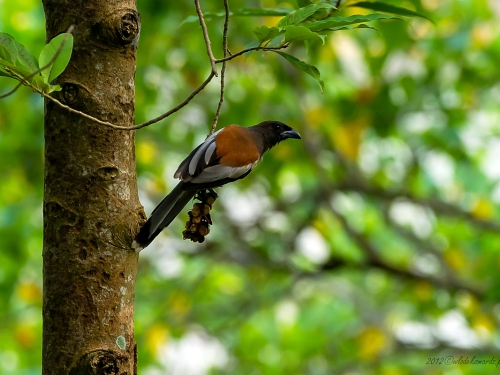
(163, 215)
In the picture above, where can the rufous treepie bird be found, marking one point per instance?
(227, 155)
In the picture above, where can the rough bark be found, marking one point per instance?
(91, 206)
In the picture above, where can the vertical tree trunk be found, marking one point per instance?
(91, 206)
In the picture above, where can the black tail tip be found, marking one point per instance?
(143, 238)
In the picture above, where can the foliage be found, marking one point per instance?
(368, 247)
(18, 63)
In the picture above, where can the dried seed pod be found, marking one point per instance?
(203, 230)
(197, 207)
(206, 209)
(198, 225)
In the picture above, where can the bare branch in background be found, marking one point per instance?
(208, 44)
(223, 69)
(119, 127)
(373, 258)
(213, 62)
(258, 48)
(436, 205)
(420, 245)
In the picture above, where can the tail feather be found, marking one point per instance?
(163, 215)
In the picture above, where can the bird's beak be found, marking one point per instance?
(290, 134)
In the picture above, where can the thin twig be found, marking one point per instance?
(258, 48)
(51, 61)
(173, 110)
(144, 124)
(114, 126)
(223, 69)
(213, 73)
(206, 37)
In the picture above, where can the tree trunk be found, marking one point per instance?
(91, 205)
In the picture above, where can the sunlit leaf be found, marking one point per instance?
(334, 22)
(305, 67)
(340, 28)
(302, 14)
(252, 12)
(388, 8)
(260, 12)
(8, 50)
(54, 88)
(264, 33)
(303, 3)
(5, 55)
(482, 210)
(20, 70)
(3, 73)
(62, 59)
(26, 58)
(297, 33)
(39, 82)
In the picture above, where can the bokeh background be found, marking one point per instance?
(372, 246)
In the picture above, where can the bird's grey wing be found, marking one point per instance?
(201, 157)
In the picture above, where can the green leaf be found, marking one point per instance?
(388, 8)
(302, 14)
(19, 69)
(54, 88)
(4, 73)
(334, 22)
(362, 26)
(260, 12)
(264, 33)
(303, 3)
(61, 61)
(39, 82)
(305, 67)
(8, 50)
(25, 58)
(5, 54)
(297, 33)
(252, 12)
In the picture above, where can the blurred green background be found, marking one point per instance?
(369, 247)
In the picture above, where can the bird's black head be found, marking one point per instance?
(273, 132)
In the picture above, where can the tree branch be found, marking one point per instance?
(119, 127)
(213, 62)
(206, 37)
(223, 69)
(437, 205)
(374, 260)
(371, 252)
(258, 48)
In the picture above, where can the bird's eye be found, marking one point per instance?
(277, 126)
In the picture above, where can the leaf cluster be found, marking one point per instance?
(18, 63)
